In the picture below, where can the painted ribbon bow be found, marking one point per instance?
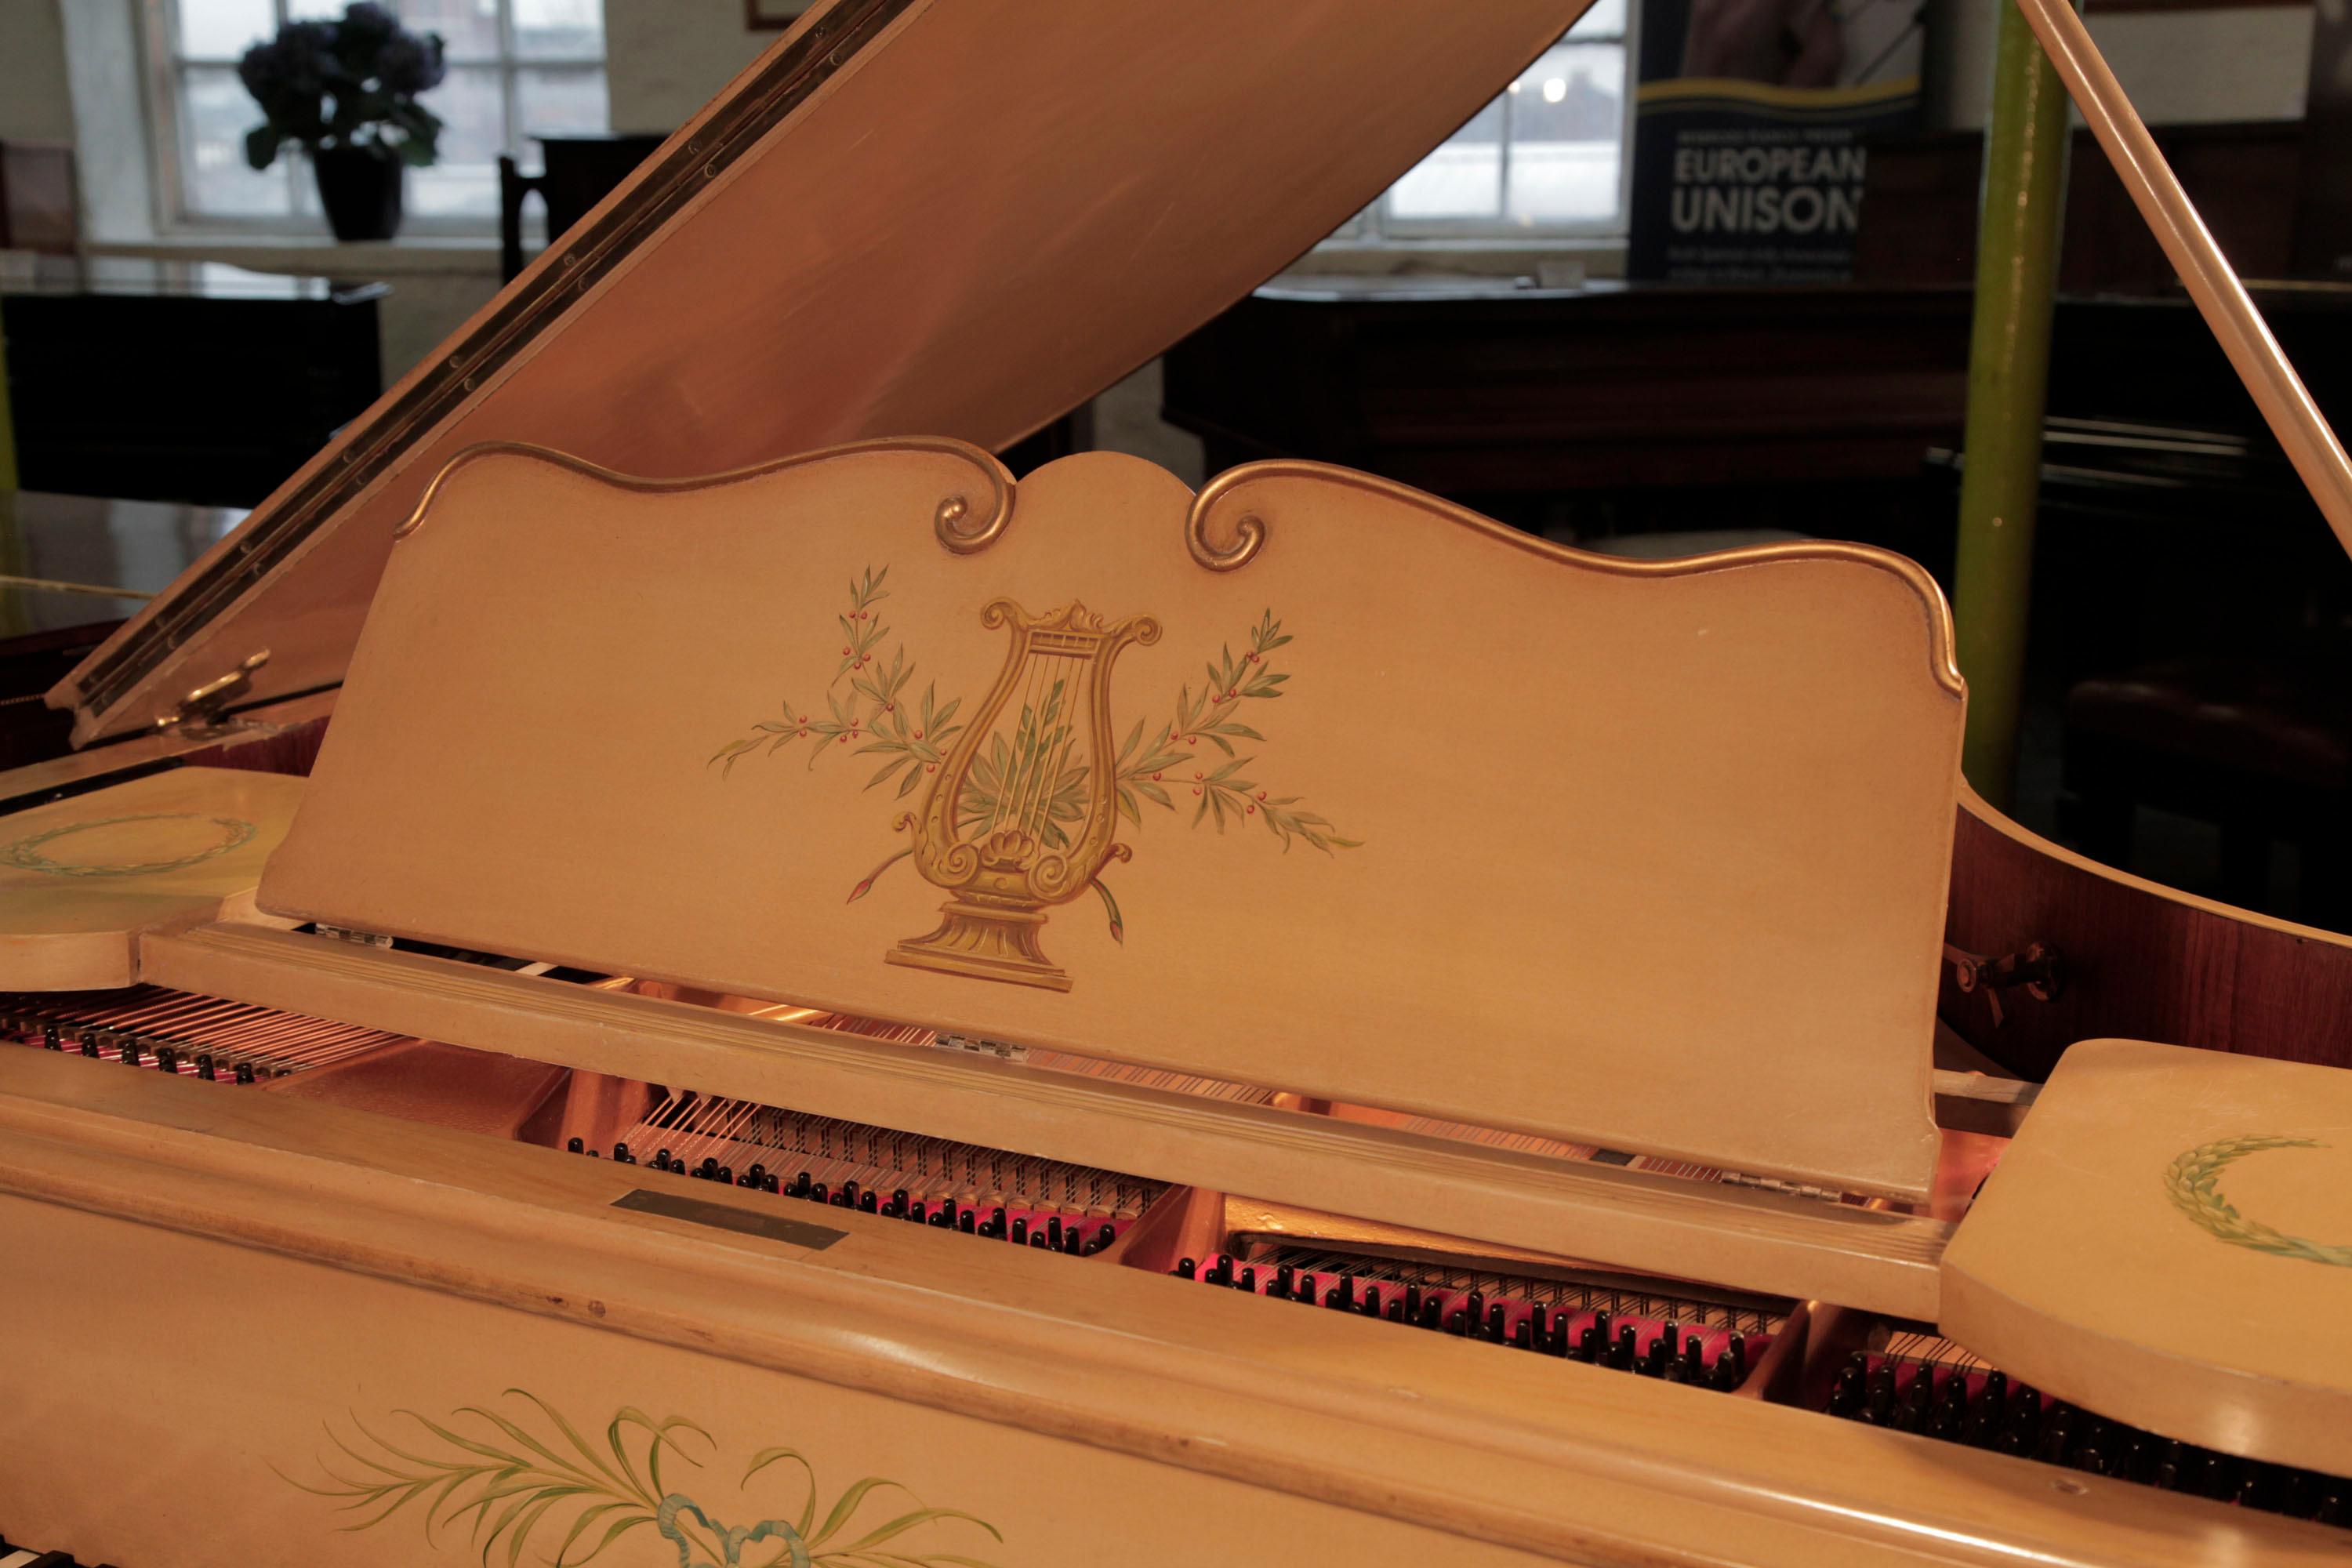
(732, 1539)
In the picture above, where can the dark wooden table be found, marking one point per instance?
(181, 381)
(73, 568)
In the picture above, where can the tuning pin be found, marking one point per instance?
(1523, 1335)
(771, 1185)
(1628, 1348)
(51, 1039)
(1303, 1288)
(621, 1154)
(203, 1065)
(1284, 1279)
(1371, 1303)
(1021, 1238)
(1187, 1269)
(1074, 1247)
(244, 1071)
(1412, 1302)
(1497, 1315)
(129, 1044)
(1053, 1232)
(1246, 1281)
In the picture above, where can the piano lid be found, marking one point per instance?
(1313, 783)
(906, 215)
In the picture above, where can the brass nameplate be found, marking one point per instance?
(696, 1211)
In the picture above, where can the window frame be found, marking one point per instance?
(1376, 228)
(167, 135)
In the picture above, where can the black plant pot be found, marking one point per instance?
(361, 192)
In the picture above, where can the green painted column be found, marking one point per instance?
(2009, 375)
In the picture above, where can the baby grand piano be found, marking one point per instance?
(857, 1011)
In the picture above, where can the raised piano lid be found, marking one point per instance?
(1413, 810)
(908, 215)
(2168, 1242)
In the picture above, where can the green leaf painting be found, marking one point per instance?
(2193, 1183)
(1199, 757)
(500, 1481)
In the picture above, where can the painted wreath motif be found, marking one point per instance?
(26, 854)
(506, 1481)
(870, 709)
(2190, 1182)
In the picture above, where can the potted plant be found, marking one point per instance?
(345, 92)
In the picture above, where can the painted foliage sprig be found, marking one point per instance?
(1029, 770)
(504, 1483)
(869, 714)
(1212, 715)
(2192, 1182)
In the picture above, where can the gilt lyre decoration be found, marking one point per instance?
(1020, 798)
(1016, 823)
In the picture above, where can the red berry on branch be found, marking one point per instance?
(919, 734)
(1155, 778)
(845, 653)
(930, 767)
(1196, 789)
(1261, 795)
(1251, 810)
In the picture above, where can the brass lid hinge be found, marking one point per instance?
(204, 710)
(1001, 1049)
(342, 933)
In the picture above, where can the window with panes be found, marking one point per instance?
(517, 69)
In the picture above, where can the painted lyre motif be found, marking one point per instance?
(1019, 819)
(1022, 798)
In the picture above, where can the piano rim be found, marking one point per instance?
(1427, 1431)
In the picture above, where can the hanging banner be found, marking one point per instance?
(1750, 134)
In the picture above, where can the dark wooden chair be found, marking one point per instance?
(579, 172)
(2260, 747)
